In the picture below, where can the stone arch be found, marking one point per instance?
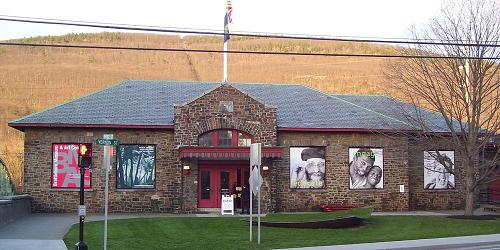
(214, 123)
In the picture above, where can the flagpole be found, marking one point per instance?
(225, 61)
(227, 21)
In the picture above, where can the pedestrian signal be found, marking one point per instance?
(85, 155)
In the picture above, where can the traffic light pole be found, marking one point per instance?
(81, 244)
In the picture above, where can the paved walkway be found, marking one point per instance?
(46, 231)
(491, 241)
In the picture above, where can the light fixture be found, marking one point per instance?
(265, 170)
(186, 169)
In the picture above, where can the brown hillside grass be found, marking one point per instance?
(33, 79)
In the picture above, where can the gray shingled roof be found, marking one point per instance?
(398, 110)
(151, 103)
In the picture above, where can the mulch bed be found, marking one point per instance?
(345, 222)
(475, 217)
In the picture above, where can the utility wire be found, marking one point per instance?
(242, 51)
(234, 32)
(219, 33)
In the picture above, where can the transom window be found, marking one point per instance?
(225, 138)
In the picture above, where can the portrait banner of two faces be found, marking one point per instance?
(366, 168)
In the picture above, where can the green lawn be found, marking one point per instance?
(232, 232)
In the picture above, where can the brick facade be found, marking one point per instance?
(337, 173)
(204, 114)
(37, 172)
(422, 199)
(403, 163)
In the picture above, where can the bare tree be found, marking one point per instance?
(463, 89)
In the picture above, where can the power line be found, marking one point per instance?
(235, 32)
(241, 51)
(219, 33)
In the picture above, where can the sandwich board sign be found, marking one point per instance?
(227, 205)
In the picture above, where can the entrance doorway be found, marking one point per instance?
(217, 179)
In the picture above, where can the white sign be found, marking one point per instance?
(255, 154)
(255, 180)
(82, 211)
(227, 205)
(401, 188)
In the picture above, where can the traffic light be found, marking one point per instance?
(84, 155)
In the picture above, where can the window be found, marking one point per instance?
(136, 166)
(206, 139)
(225, 138)
(244, 140)
(226, 106)
(65, 170)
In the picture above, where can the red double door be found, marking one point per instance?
(216, 179)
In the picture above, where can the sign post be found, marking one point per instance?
(255, 181)
(107, 141)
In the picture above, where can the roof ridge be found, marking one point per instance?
(317, 90)
(346, 94)
(373, 111)
(69, 101)
(214, 82)
(268, 83)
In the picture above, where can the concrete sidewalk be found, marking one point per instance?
(491, 241)
(18, 244)
(37, 231)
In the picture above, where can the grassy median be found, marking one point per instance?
(232, 232)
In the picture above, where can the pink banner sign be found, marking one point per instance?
(65, 170)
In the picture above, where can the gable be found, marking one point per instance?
(225, 107)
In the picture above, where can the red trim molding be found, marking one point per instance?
(227, 152)
(20, 126)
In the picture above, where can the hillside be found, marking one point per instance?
(32, 79)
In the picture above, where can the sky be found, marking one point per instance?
(339, 18)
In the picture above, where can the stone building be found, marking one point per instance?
(185, 144)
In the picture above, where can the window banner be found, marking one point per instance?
(307, 167)
(366, 168)
(65, 170)
(436, 175)
(136, 166)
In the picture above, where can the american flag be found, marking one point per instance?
(227, 20)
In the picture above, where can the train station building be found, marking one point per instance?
(182, 145)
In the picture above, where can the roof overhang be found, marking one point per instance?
(234, 153)
(361, 130)
(22, 126)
